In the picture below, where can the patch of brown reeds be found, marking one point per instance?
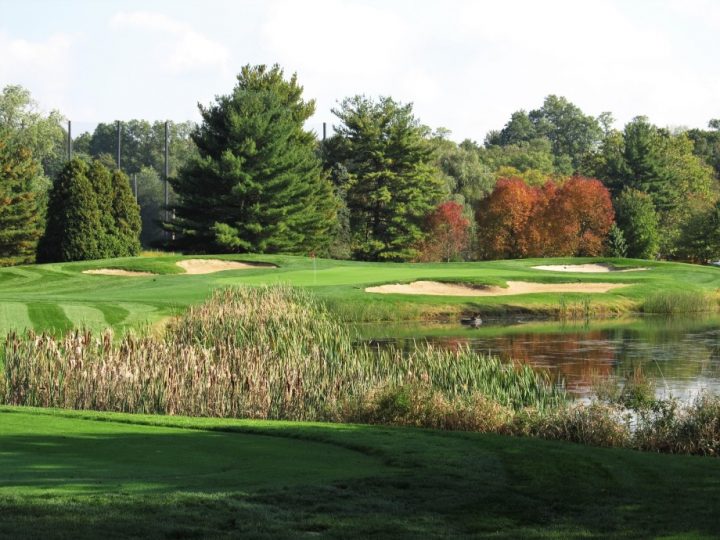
(268, 352)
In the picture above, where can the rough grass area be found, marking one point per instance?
(59, 296)
(94, 475)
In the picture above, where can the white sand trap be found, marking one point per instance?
(435, 288)
(209, 266)
(585, 268)
(117, 272)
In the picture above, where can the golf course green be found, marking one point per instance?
(88, 475)
(60, 296)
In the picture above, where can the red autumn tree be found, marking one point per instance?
(578, 219)
(503, 217)
(572, 218)
(447, 234)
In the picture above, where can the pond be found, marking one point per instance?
(680, 354)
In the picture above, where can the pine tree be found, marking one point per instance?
(74, 230)
(257, 184)
(20, 220)
(392, 183)
(616, 244)
(125, 214)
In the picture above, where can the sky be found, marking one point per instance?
(466, 65)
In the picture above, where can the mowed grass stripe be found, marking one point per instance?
(113, 314)
(47, 316)
(14, 316)
(84, 316)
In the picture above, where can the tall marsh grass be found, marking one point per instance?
(670, 302)
(268, 352)
(276, 352)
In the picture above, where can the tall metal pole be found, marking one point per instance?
(69, 141)
(167, 168)
(119, 133)
(324, 130)
(135, 186)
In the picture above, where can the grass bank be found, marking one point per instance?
(60, 297)
(86, 475)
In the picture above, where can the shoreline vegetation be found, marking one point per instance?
(278, 353)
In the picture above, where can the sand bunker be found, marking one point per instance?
(585, 268)
(117, 272)
(209, 266)
(435, 288)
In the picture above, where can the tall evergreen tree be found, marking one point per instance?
(74, 230)
(125, 215)
(101, 180)
(20, 220)
(257, 184)
(391, 182)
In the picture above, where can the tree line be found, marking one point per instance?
(553, 181)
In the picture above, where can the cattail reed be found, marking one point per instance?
(266, 352)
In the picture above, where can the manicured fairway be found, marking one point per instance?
(60, 296)
(94, 475)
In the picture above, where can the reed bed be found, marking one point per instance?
(268, 352)
(670, 302)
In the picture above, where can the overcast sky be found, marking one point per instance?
(466, 65)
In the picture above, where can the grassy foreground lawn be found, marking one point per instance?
(70, 474)
(60, 296)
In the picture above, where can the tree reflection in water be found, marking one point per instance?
(681, 355)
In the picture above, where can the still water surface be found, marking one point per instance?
(681, 354)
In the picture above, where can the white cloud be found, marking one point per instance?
(181, 48)
(42, 66)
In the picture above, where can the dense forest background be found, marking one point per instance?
(552, 181)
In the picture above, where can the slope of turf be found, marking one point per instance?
(60, 296)
(92, 475)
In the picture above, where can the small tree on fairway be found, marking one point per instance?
(257, 184)
(74, 230)
(20, 223)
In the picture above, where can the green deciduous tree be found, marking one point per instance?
(392, 183)
(257, 184)
(572, 135)
(20, 219)
(637, 219)
(700, 239)
(24, 125)
(468, 179)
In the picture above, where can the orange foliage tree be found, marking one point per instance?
(571, 218)
(578, 219)
(503, 217)
(448, 234)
